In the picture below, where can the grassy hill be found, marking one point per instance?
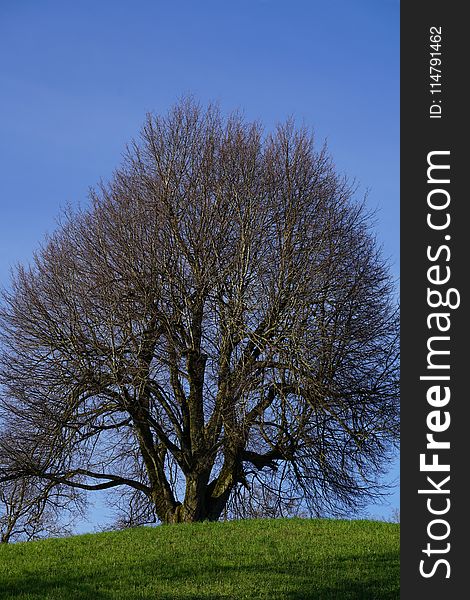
(282, 559)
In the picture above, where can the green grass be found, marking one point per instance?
(283, 559)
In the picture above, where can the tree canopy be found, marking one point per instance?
(219, 320)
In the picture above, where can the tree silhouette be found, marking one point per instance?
(220, 314)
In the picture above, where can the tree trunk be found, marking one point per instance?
(194, 506)
(6, 535)
(203, 501)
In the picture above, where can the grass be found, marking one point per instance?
(282, 559)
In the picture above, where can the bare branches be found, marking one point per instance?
(32, 507)
(221, 305)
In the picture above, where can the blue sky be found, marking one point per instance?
(78, 78)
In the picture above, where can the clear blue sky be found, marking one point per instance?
(78, 77)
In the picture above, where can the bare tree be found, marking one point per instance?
(220, 310)
(29, 509)
(32, 507)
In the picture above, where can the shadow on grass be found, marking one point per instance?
(354, 578)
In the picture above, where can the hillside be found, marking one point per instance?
(286, 559)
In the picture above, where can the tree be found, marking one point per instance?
(221, 312)
(31, 508)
